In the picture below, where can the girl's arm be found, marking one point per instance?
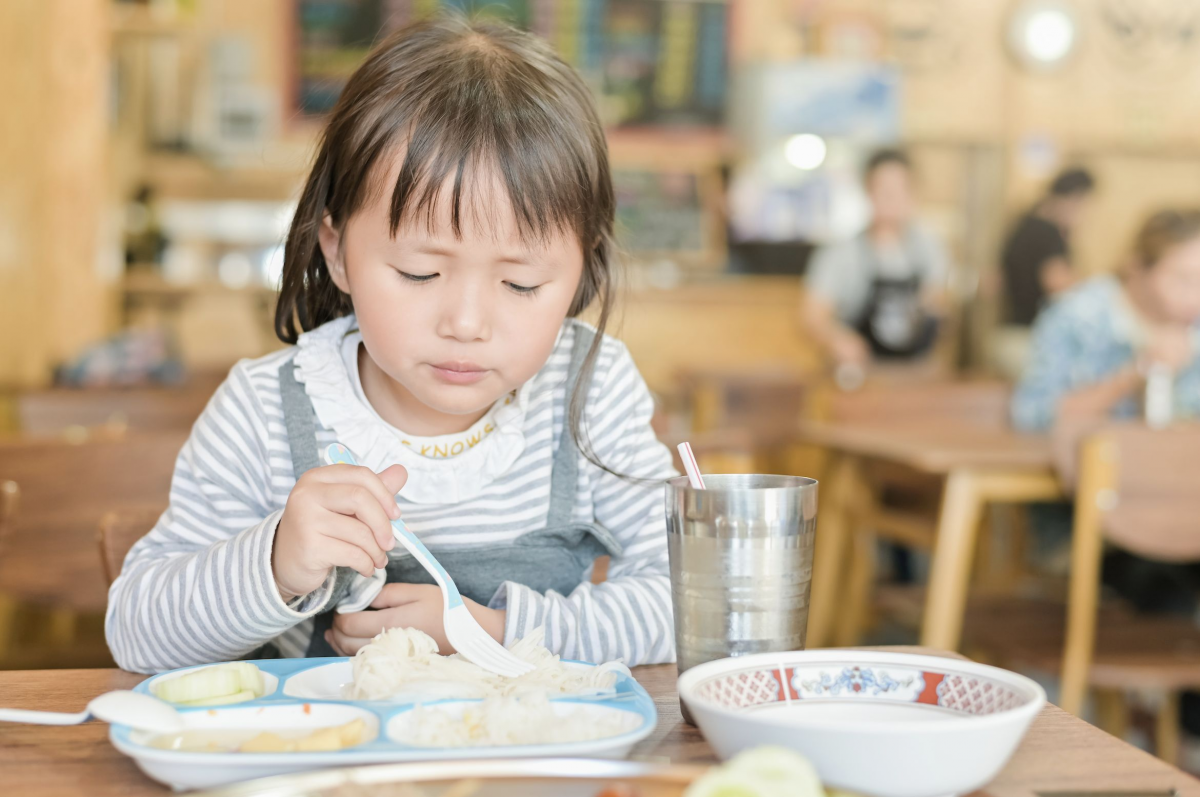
(199, 587)
(629, 615)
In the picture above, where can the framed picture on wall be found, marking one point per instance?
(649, 62)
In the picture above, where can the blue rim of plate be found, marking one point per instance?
(630, 696)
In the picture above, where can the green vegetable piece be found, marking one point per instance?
(779, 765)
(224, 700)
(760, 772)
(209, 683)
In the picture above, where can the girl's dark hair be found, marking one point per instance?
(458, 96)
(1163, 231)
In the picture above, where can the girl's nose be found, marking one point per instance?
(464, 317)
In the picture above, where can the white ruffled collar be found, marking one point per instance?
(322, 369)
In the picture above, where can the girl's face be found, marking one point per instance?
(1174, 283)
(455, 323)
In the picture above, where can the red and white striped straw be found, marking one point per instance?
(689, 465)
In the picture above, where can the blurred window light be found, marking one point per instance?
(1049, 35)
(235, 270)
(805, 151)
(1043, 33)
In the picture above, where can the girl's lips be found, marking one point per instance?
(459, 373)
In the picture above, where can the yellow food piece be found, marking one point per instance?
(227, 740)
(322, 740)
(267, 742)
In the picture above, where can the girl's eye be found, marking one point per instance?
(418, 278)
(521, 289)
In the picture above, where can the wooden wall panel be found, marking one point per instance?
(54, 80)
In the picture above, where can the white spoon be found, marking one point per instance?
(139, 711)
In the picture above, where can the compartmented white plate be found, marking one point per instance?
(308, 694)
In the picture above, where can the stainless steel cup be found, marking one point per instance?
(741, 565)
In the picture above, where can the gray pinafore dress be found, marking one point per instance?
(554, 558)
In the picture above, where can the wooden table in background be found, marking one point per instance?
(1061, 753)
(980, 464)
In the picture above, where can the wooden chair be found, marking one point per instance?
(52, 497)
(119, 530)
(111, 411)
(1136, 491)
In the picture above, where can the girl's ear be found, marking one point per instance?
(330, 240)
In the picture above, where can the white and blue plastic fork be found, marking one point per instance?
(465, 634)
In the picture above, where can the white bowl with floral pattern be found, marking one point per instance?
(874, 722)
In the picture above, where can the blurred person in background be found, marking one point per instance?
(1037, 255)
(1036, 264)
(878, 296)
(1093, 348)
(1091, 354)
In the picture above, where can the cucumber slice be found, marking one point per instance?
(209, 683)
(252, 677)
(224, 700)
(722, 782)
(202, 684)
(779, 765)
(760, 772)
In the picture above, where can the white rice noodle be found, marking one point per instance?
(405, 662)
(529, 719)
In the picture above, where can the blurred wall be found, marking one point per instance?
(1127, 104)
(986, 134)
(53, 182)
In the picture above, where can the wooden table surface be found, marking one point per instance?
(933, 446)
(1061, 753)
(980, 461)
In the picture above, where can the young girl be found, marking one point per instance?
(458, 217)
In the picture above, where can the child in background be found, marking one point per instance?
(1093, 349)
(456, 221)
(1092, 352)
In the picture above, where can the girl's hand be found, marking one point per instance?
(407, 606)
(336, 516)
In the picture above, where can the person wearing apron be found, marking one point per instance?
(894, 322)
(873, 297)
(558, 557)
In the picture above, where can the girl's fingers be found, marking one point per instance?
(393, 478)
(356, 500)
(362, 625)
(398, 594)
(345, 645)
(345, 554)
(351, 531)
(333, 644)
(368, 479)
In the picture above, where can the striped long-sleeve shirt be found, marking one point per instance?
(199, 587)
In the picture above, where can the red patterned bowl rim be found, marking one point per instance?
(972, 692)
